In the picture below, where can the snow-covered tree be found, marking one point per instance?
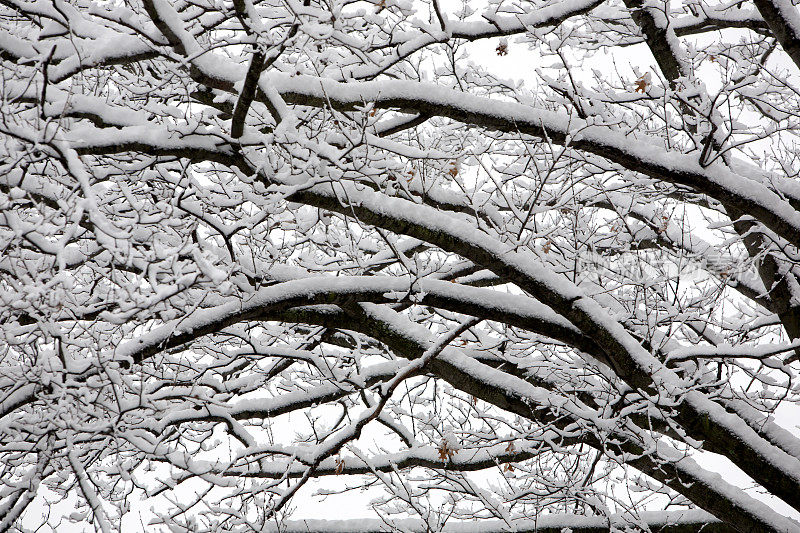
(252, 248)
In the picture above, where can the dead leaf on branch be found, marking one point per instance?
(643, 83)
(502, 48)
(453, 171)
(445, 452)
(664, 224)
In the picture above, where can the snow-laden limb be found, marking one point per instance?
(672, 522)
(639, 155)
(783, 20)
(326, 290)
(464, 460)
(89, 493)
(747, 193)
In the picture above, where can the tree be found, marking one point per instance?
(508, 306)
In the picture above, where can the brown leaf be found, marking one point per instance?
(445, 453)
(502, 49)
(641, 85)
(339, 465)
(453, 169)
(510, 448)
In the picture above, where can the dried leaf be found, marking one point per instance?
(453, 169)
(641, 84)
(445, 453)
